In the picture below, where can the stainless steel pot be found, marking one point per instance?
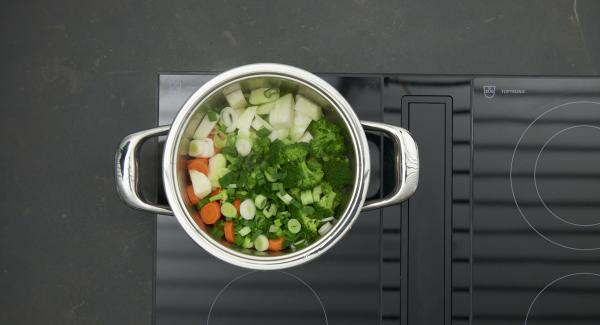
(335, 107)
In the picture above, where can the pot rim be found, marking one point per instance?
(357, 137)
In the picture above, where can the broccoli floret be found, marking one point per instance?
(298, 174)
(338, 172)
(261, 145)
(310, 225)
(327, 139)
(325, 207)
(296, 151)
(275, 154)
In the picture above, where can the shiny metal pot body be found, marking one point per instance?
(335, 108)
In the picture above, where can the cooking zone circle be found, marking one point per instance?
(267, 297)
(595, 132)
(555, 302)
(555, 175)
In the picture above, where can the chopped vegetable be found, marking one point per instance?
(261, 243)
(294, 226)
(247, 209)
(204, 128)
(276, 244)
(191, 195)
(245, 120)
(228, 210)
(200, 184)
(203, 148)
(325, 228)
(306, 137)
(265, 108)
(243, 147)
(236, 99)
(229, 118)
(228, 230)
(260, 201)
(237, 203)
(210, 213)
(244, 231)
(307, 107)
(263, 95)
(282, 115)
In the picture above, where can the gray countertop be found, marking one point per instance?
(79, 76)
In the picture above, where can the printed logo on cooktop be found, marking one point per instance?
(489, 91)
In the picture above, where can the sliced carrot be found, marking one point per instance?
(276, 245)
(228, 230)
(210, 213)
(236, 204)
(199, 222)
(199, 164)
(191, 195)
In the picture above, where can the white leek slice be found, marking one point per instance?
(204, 128)
(259, 123)
(282, 116)
(302, 120)
(279, 134)
(263, 95)
(243, 146)
(245, 120)
(215, 164)
(261, 243)
(307, 107)
(265, 108)
(236, 99)
(325, 228)
(200, 184)
(229, 118)
(306, 137)
(247, 209)
(203, 148)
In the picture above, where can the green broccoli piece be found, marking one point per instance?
(327, 139)
(275, 154)
(298, 174)
(296, 151)
(338, 172)
(325, 207)
(261, 145)
(310, 225)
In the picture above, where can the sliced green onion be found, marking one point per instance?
(244, 231)
(273, 228)
(294, 226)
(317, 193)
(247, 209)
(286, 198)
(306, 197)
(221, 196)
(248, 242)
(213, 116)
(261, 243)
(270, 211)
(228, 210)
(260, 201)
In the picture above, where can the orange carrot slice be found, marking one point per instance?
(276, 245)
(228, 230)
(210, 213)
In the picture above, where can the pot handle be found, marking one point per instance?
(406, 162)
(127, 173)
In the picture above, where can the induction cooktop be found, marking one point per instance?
(503, 229)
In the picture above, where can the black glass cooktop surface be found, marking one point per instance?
(536, 201)
(504, 227)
